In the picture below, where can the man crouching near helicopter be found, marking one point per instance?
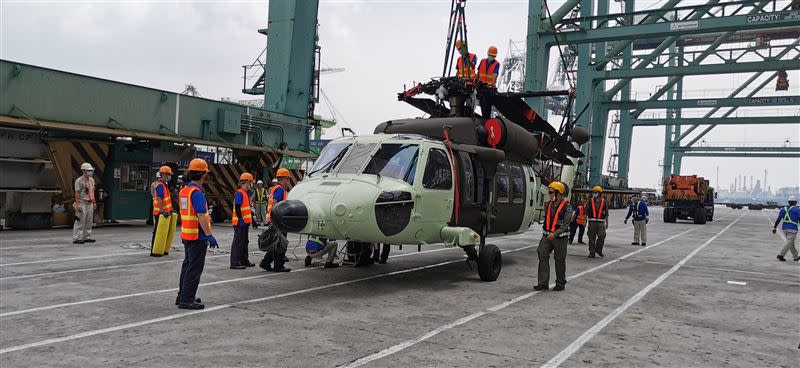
(558, 215)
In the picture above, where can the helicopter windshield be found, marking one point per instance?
(395, 160)
(329, 158)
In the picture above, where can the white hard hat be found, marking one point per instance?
(259, 182)
(158, 175)
(274, 180)
(792, 198)
(87, 166)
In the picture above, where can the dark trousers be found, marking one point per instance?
(191, 270)
(573, 228)
(486, 107)
(558, 247)
(381, 254)
(155, 228)
(597, 236)
(273, 257)
(241, 240)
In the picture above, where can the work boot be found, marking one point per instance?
(285, 269)
(540, 287)
(177, 301)
(77, 241)
(238, 267)
(191, 306)
(331, 265)
(644, 244)
(591, 255)
(248, 264)
(581, 242)
(601, 254)
(797, 258)
(634, 243)
(89, 240)
(780, 258)
(308, 261)
(558, 288)
(155, 255)
(265, 267)
(166, 253)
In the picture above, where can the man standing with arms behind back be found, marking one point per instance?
(641, 216)
(84, 205)
(558, 215)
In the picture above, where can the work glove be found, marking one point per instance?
(647, 220)
(774, 230)
(212, 241)
(626, 221)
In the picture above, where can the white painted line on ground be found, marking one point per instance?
(224, 306)
(594, 330)
(117, 297)
(409, 343)
(73, 258)
(737, 283)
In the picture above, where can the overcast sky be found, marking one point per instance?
(381, 44)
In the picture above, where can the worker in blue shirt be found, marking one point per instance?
(641, 216)
(790, 215)
(318, 246)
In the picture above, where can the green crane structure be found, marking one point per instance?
(672, 41)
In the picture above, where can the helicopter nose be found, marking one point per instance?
(289, 216)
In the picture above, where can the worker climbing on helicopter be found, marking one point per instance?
(465, 65)
(488, 70)
(558, 215)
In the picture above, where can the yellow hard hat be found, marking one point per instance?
(557, 185)
(597, 188)
(246, 177)
(492, 51)
(165, 170)
(198, 164)
(282, 173)
(459, 43)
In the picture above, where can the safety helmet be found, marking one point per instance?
(165, 170)
(492, 51)
(558, 186)
(198, 164)
(597, 188)
(87, 166)
(792, 198)
(274, 181)
(458, 44)
(246, 177)
(282, 173)
(259, 182)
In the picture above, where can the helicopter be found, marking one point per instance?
(455, 177)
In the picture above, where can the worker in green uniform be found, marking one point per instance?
(558, 215)
(597, 214)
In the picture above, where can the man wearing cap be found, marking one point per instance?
(790, 215)
(241, 218)
(597, 214)
(260, 202)
(84, 205)
(558, 215)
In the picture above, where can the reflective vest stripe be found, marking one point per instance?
(158, 202)
(486, 71)
(272, 200)
(581, 215)
(786, 218)
(550, 225)
(595, 212)
(190, 226)
(261, 195)
(245, 207)
(466, 72)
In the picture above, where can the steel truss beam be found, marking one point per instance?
(742, 154)
(700, 69)
(706, 103)
(756, 120)
(738, 149)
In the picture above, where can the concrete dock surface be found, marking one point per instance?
(710, 295)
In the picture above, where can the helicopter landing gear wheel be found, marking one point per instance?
(490, 261)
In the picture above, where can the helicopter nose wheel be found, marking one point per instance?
(490, 261)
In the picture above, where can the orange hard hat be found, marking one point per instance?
(492, 51)
(198, 164)
(459, 43)
(246, 177)
(282, 173)
(165, 170)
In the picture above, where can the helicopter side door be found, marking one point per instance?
(509, 198)
(433, 202)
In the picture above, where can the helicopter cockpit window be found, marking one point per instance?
(359, 155)
(501, 183)
(468, 176)
(394, 160)
(329, 158)
(517, 183)
(438, 172)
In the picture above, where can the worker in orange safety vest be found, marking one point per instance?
(558, 215)
(241, 218)
(488, 70)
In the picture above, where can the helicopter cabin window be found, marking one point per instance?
(395, 160)
(501, 183)
(438, 172)
(517, 183)
(358, 156)
(468, 177)
(329, 158)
